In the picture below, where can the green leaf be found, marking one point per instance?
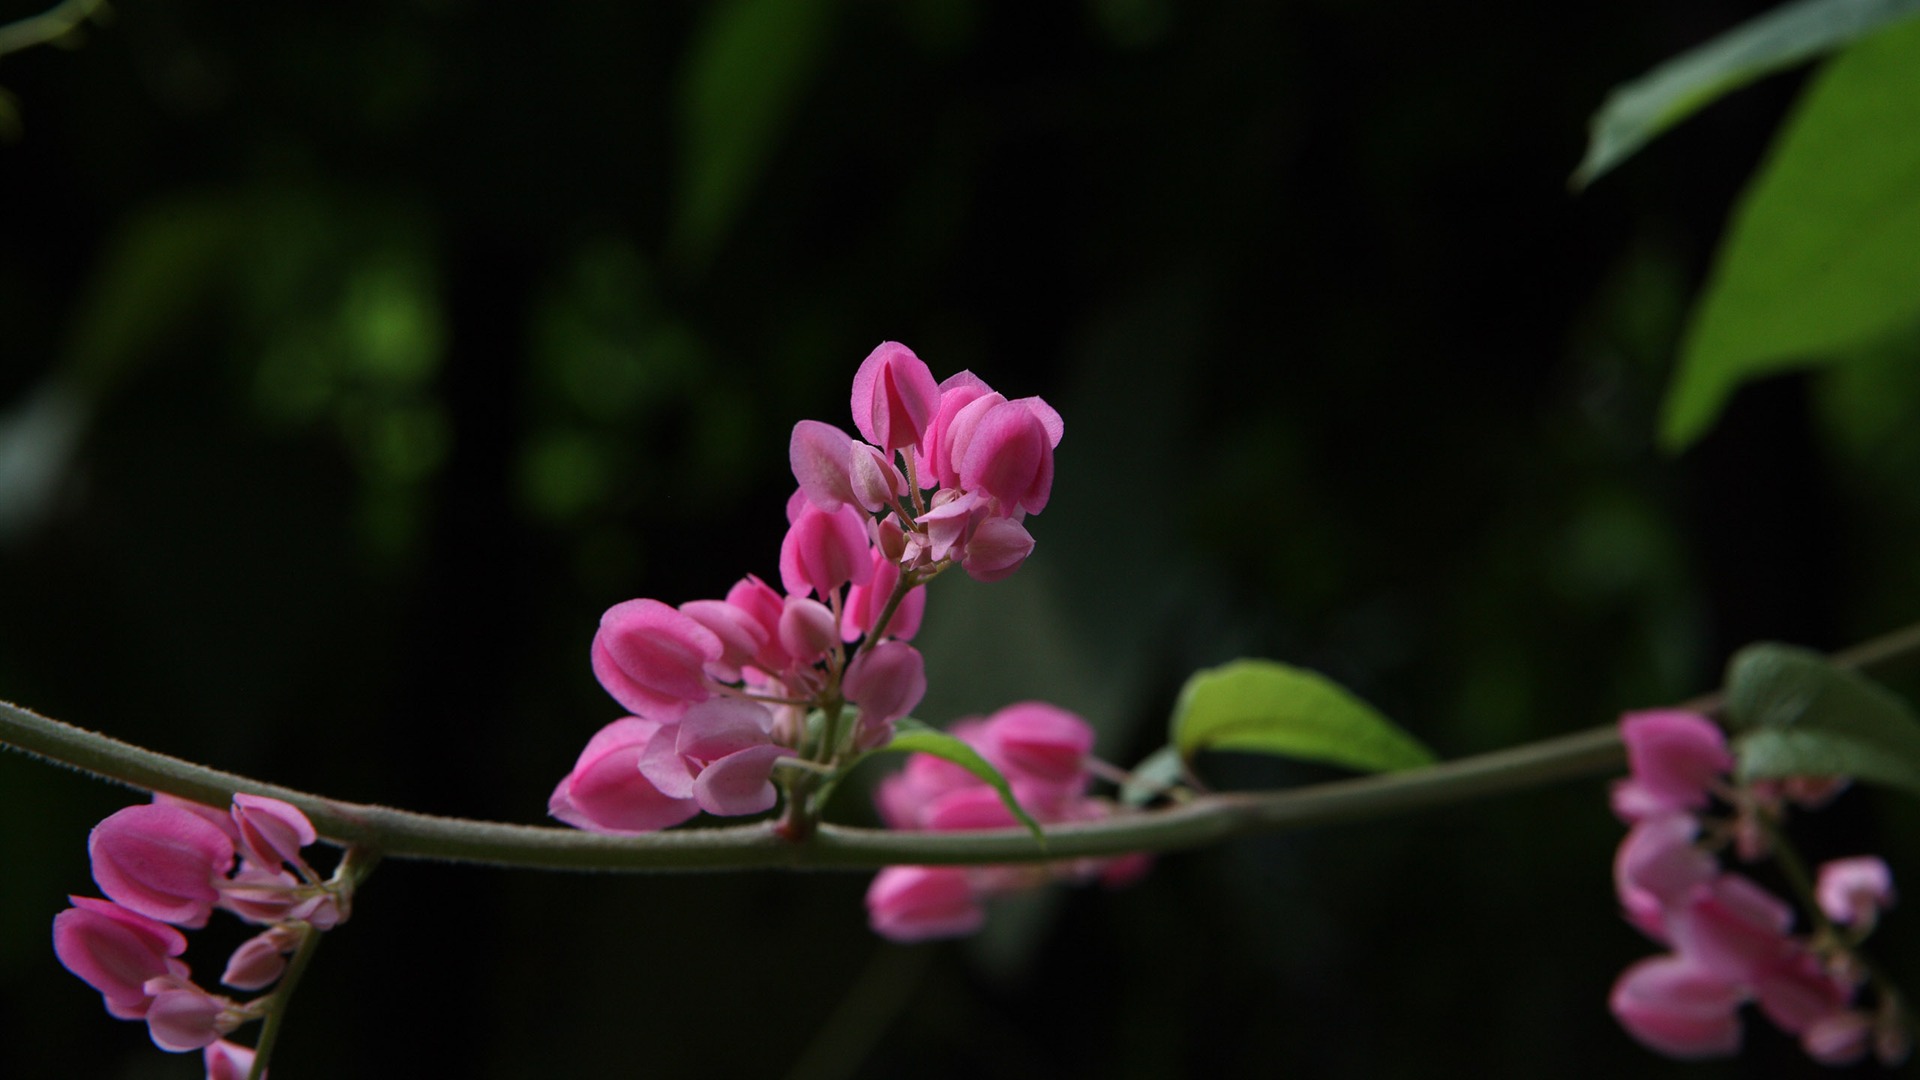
(1158, 773)
(1800, 716)
(1271, 708)
(1823, 256)
(744, 73)
(1637, 112)
(913, 737)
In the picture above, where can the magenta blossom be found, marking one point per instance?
(606, 792)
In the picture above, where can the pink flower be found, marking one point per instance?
(606, 792)
(1674, 758)
(116, 950)
(720, 755)
(1674, 1007)
(1853, 892)
(260, 960)
(996, 549)
(1009, 457)
(161, 860)
(653, 659)
(886, 681)
(272, 832)
(1658, 868)
(824, 550)
(184, 1017)
(894, 397)
(918, 903)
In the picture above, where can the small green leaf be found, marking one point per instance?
(1637, 112)
(1158, 773)
(1800, 716)
(913, 737)
(1822, 258)
(1271, 708)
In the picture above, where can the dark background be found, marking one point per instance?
(354, 357)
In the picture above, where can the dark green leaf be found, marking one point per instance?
(914, 737)
(744, 75)
(1823, 256)
(1800, 716)
(1271, 708)
(1637, 112)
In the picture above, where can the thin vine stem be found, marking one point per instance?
(1201, 820)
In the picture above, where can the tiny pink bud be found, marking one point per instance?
(653, 659)
(260, 960)
(918, 903)
(998, 547)
(894, 397)
(1839, 1038)
(1853, 892)
(185, 1017)
(162, 861)
(272, 832)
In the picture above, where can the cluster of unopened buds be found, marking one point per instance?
(1732, 941)
(1045, 753)
(725, 693)
(165, 866)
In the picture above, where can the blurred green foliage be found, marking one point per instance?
(356, 357)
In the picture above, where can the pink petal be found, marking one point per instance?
(1041, 740)
(823, 551)
(161, 861)
(665, 768)
(228, 1061)
(997, 548)
(807, 630)
(115, 951)
(1855, 891)
(1657, 868)
(918, 903)
(652, 658)
(259, 961)
(1675, 756)
(741, 635)
(1840, 1038)
(822, 459)
(272, 832)
(894, 397)
(186, 1019)
(1008, 456)
(1733, 929)
(723, 726)
(886, 681)
(740, 782)
(1676, 1009)
(606, 793)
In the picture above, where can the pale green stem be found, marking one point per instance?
(50, 25)
(277, 1004)
(1202, 820)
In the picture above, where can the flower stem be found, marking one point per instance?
(1204, 819)
(277, 1004)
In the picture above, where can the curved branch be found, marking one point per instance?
(1203, 820)
(48, 26)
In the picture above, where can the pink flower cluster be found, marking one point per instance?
(1731, 940)
(1044, 752)
(167, 865)
(720, 691)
